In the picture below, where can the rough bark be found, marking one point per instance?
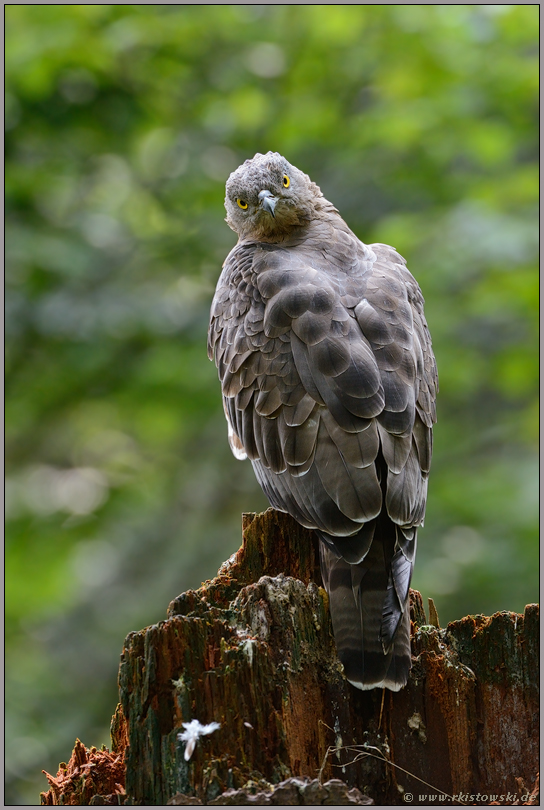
(253, 650)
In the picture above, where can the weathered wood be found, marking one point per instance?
(89, 777)
(293, 791)
(253, 650)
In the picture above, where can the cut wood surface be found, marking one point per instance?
(253, 651)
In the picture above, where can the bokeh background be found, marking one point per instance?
(123, 122)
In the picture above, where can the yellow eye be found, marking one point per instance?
(242, 204)
(286, 181)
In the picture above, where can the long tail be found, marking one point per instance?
(370, 614)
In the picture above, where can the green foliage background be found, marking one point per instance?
(123, 122)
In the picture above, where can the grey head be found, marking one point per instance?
(267, 198)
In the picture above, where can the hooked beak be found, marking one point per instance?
(268, 201)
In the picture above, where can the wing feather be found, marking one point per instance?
(298, 442)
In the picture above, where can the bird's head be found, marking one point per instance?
(267, 198)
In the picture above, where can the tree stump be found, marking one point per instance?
(253, 651)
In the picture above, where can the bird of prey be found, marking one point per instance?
(329, 383)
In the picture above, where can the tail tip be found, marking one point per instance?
(386, 683)
(375, 670)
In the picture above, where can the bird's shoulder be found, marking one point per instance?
(329, 249)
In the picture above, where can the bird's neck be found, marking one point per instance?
(324, 217)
